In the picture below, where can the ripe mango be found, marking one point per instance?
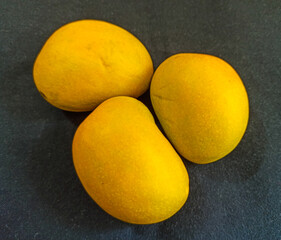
(86, 62)
(126, 165)
(202, 105)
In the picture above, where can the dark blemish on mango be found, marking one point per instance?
(43, 95)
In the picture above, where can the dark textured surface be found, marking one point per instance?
(235, 198)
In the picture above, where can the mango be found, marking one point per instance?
(202, 105)
(86, 62)
(126, 164)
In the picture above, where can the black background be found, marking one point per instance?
(235, 198)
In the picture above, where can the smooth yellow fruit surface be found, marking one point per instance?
(88, 61)
(126, 164)
(202, 105)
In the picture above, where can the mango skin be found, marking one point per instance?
(86, 62)
(202, 105)
(126, 164)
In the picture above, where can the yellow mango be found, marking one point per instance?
(126, 165)
(202, 105)
(86, 62)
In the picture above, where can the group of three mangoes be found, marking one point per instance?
(123, 160)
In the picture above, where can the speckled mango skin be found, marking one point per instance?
(202, 105)
(86, 62)
(126, 164)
